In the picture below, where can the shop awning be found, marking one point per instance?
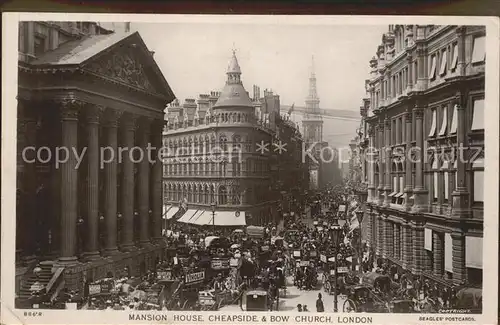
(166, 207)
(188, 216)
(170, 213)
(228, 218)
(203, 218)
(222, 218)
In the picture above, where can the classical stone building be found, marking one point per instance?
(426, 107)
(82, 87)
(219, 153)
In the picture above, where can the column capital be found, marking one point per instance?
(128, 121)
(70, 107)
(457, 235)
(408, 117)
(387, 123)
(94, 113)
(111, 117)
(409, 57)
(418, 111)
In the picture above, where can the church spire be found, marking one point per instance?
(313, 73)
(234, 71)
(313, 94)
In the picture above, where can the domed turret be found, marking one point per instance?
(233, 94)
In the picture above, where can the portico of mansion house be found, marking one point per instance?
(85, 219)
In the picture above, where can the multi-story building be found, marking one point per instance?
(220, 154)
(425, 122)
(84, 87)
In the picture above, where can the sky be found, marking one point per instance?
(194, 58)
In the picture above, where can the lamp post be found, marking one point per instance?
(213, 206)
(335, 236)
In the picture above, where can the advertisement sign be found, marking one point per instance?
(195, 277)
(342, 269)
(233, 262)
(265, 248)
(313, 253)
(322, 258)
(341, 208)
(94, 289)
(165, 275)
(98, 288)
(304, 263)
(220, 264)
(296, 253)
(332, 272)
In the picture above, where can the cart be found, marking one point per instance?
(363, 298)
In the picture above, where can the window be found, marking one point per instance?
(435, 180)
(432, 131)
(442, 68)
(454, 59)
(394, 186)
(39, 45)
(398, 196)
(415, 72)
(432, 73)
(455, 166)
(478, 50)
(478, 175)
(454, 120)
(478, 115)
(444, 123)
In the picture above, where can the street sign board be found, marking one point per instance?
(322, 258)
(195, 277)
(342, 269)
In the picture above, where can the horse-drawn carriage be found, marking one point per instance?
(373, 295)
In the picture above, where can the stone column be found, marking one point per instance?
(144, 173)
(128, 182)
(408, 161)
(409, 59)
(383, 228)
(92, 242)
(421, 56)
(460, 195)
(70, 109)
(420, 193)
(418, 247)
(157, 179)
(387, 162)
(437, 251)
(110, 180)
(461, 63)
(381, 158)
(459, 269)
(26, 137)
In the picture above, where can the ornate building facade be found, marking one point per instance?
(423, 126)
(219, 153)
(82, 87)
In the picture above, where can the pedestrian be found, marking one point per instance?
(299, 308)
(320, 307)
(304, 309)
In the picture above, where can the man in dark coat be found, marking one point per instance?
(320, 307)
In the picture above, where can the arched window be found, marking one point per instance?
(236, 197)
(223, 142)
(222, 195)
(212, 194)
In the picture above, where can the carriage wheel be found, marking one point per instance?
(349, 306)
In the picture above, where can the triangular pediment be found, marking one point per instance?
(130, 62)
